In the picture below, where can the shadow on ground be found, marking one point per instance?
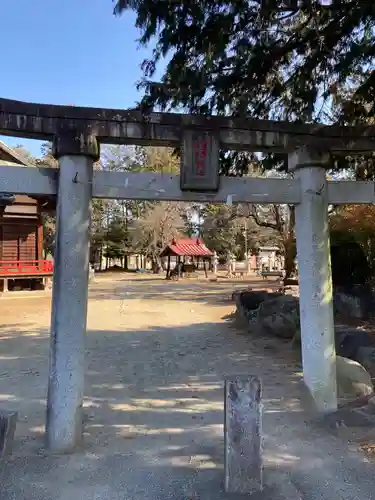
(201, 291)
(153, 412)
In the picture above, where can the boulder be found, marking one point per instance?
(353, 380)
(248, 302)
(348, 306)
(350, 341)
(341, 332)
(354, 301)
(279, 316)
(347, 341)
(241, 312)
(251, 299)
(366, 356)
(357, 345)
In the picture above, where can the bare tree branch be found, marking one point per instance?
(253, 213)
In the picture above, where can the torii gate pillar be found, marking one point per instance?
(315, 279)
(76, 154)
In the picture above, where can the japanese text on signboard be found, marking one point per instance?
(200, 155)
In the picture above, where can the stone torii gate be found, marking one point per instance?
(77, 133)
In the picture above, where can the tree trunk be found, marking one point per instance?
(156, 264)
(289, 243)
(168, 267)
(289, 256)
(100, 257)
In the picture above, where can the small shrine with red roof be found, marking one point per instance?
(188, 254)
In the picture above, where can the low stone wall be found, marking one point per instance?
(270, 313)
(276, 314)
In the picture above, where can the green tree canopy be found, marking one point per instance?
(233, 58)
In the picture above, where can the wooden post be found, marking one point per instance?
(243, 435)
(168, 266)
(178, 267)
(205, 267)
(39, 239)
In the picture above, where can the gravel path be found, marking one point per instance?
(157, 355)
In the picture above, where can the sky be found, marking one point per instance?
(68, 52)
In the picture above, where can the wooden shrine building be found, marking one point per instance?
(188, 254)
(21, 233)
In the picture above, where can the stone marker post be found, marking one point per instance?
(243, 434)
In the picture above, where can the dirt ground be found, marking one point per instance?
(157, 356)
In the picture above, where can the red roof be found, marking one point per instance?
(194, 247)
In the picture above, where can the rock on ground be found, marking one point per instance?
(269, 313)
(366, 356)
(279, 316)
(357, 345)
(251, 299)
(353, 380)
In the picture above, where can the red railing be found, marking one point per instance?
(25, 267)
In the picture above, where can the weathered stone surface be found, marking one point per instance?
(371, 403)
(271, 313)
(251, 299)
(279, 316)
(8, 422)
(353, 383)
(354, 301)
(348, 343)
(357, 345)
(347, 305)
(366, 356)
(243, 435)
(349, 340)
(352, 379)
(341, 332)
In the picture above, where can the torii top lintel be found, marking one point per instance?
(131, 126)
